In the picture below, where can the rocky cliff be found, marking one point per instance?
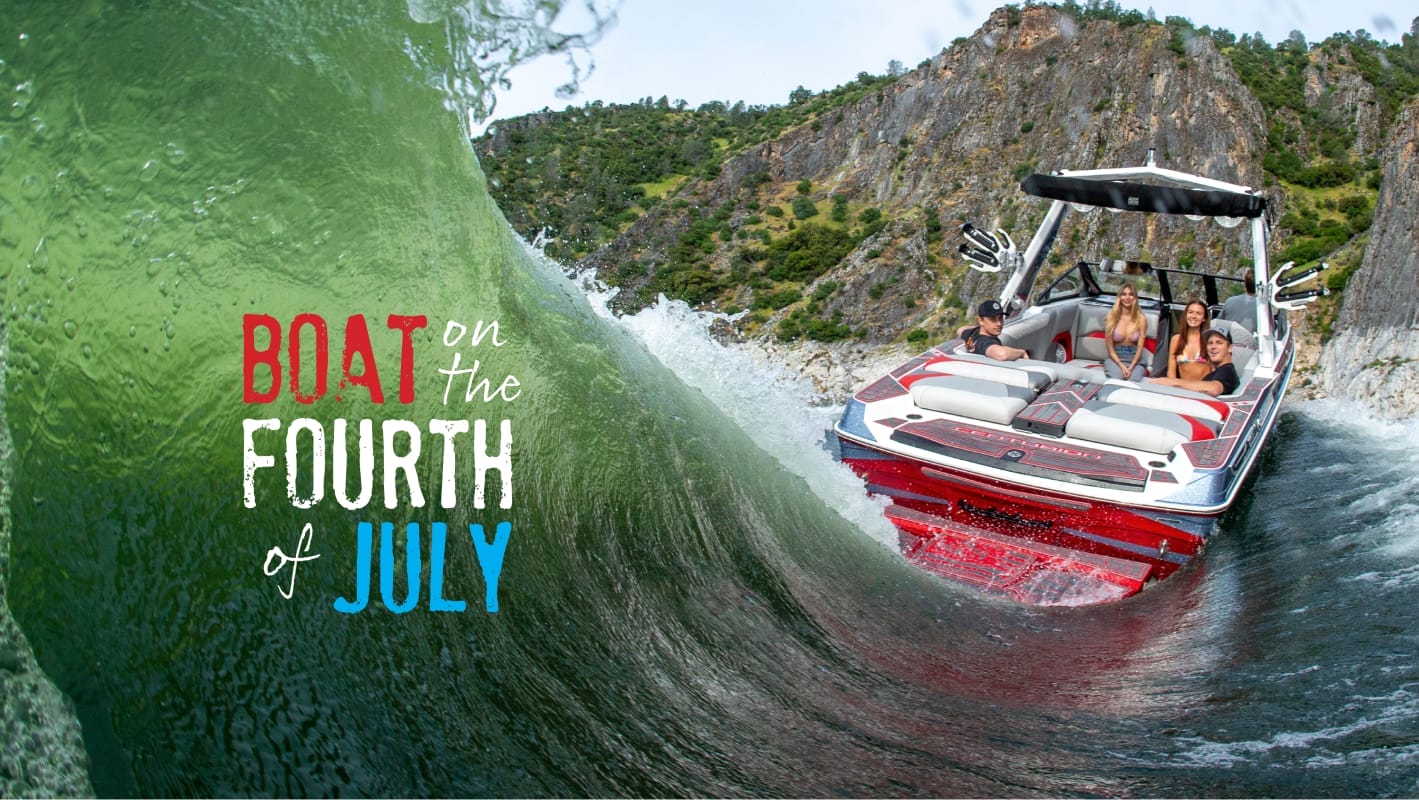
(952, 139)
(1035, 90)
(1375, 355)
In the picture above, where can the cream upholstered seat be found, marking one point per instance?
(975, 398)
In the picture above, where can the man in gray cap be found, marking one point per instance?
(984, 338)
(1223, 379)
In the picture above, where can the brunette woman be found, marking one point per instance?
(1187, 357)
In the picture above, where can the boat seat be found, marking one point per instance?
(1241, 337)
(1049, 371)
(1012, 373)
(1137, 428)
(976, 398)
(1163, 398)
(1089, 345)
(1084, 371)
(1244, 358)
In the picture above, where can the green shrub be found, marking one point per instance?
(807, 252)
(777, 300)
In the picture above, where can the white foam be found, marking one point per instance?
(772, 405)
(1398, 436)
(1325, 747)
(1391, 460)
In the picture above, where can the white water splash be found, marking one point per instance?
(772, 405)
(1331, 746)
(1391, 449)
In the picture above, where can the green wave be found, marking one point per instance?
(166, 171)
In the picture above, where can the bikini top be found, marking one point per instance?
(1184, 358)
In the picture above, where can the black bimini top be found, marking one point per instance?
(1128, 196)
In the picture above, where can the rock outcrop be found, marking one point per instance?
(1033, 91)
(1375, 357)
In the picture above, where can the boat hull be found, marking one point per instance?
(1114, 543)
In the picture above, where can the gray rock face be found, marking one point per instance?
(1334, 86)
(954, 137)
(1374, 357)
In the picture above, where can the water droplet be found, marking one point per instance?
(169, 329)
(132, 331)
(88, 351)
(31, 187)
(176, 155)
(40, 262)
(148, 171)
(71, 328)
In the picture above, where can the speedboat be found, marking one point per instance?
(1043, 479)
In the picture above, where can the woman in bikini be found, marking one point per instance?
(1123, 336)
(1187, 359)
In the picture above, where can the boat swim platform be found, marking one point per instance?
(1018, 569)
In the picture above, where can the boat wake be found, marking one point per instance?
(751, 391)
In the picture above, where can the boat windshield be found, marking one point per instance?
(1106, 277)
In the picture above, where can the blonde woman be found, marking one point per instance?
(1124, 329)
(1187, 358)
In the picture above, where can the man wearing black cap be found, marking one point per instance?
(984, 338)
(1223, 378)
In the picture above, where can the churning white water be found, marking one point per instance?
(774, 406)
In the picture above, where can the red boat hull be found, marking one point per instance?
(1031, 546)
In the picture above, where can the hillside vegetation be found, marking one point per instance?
(815, 255)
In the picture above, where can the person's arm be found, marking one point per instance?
(1137, 354)
(1213, 388)
(1004, 352)
(1173, 359)
(1109, 346)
